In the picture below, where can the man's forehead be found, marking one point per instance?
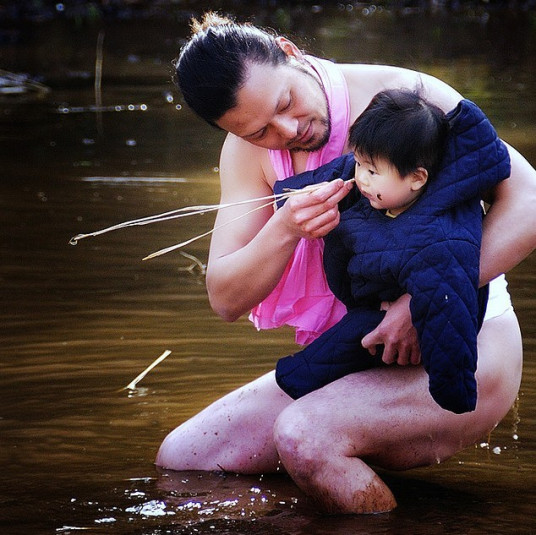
(257, 100)
(264, 78)
(253, 68)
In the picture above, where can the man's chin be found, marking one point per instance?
(314, 145)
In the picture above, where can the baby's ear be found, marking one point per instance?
(419, 177)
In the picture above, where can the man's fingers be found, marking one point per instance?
(323, 198)
(369, 342)
(403, 359)
(390, 355)
(415, 357)
(317, 213)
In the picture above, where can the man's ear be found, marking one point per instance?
(419, 177)
(289, 48)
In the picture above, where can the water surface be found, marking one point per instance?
(79, 323)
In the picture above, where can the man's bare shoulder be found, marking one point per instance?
(246, 166)
(365, 80)
(376, 77)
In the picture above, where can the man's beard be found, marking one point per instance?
(317, 145)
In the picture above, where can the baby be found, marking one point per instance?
(414, 226)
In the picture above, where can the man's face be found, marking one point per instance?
(282, 107)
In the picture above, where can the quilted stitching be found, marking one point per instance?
(430, 251)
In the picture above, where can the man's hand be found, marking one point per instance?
(313, 214)
(396, 333)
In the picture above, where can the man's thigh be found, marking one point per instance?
(387, 416)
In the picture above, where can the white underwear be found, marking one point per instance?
(499, 300)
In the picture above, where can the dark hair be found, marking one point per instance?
(403, 128)
(211, 67)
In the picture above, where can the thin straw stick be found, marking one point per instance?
(187, 242)
(197, 210)
(173, 214)
(133, 383)
(288, 193)
(98, 80)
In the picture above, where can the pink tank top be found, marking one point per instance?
(302, 298)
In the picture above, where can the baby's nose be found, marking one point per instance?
(361, 176)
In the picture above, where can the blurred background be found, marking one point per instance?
(93, 133)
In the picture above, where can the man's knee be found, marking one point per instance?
(166, 456)
(299, 442)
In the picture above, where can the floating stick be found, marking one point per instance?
(134, 382)
(196, 263)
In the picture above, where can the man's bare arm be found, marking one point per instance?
(509, 231)
(248, 256)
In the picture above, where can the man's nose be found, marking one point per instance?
(286, 126)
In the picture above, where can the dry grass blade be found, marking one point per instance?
(167, 216)
(197, 210)
(208, 233)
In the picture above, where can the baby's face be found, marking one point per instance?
(382, 184)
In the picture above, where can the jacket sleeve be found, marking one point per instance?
(443, 282)
(336, 353)
(336, 259)
(475, 159)
(341, 167)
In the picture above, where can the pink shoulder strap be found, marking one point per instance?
(302, 298)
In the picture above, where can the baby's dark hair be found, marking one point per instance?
(400, 126)
(211, 66)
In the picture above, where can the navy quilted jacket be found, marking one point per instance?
(430, 251)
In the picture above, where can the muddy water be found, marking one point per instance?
(79, 323)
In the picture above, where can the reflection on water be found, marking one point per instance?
(79, 323)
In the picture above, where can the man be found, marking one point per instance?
(276, 105)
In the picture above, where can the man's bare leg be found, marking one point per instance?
(235, 433)
(326, 440)
(386, 417)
